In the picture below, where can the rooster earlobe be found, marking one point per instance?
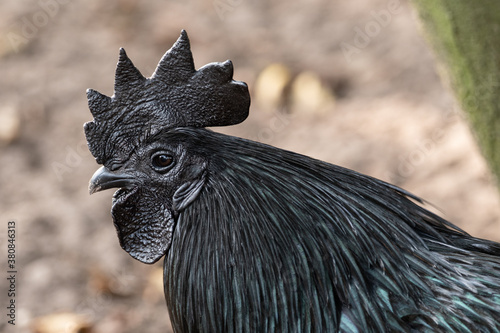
(127, 76)
(189, 191)
(177, 65)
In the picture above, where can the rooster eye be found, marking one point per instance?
(162, 161)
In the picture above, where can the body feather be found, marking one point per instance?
(280, 242)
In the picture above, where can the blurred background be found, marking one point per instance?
(351, 83)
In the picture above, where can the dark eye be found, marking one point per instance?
(162, 161)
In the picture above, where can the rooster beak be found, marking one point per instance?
(104, 179)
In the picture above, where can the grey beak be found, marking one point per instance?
(104, 179)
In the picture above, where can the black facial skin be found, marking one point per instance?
(159, 180)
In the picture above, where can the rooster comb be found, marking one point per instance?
(176, 95)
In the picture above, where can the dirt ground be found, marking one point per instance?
(392, 118)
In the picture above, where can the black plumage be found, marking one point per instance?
(259, 239)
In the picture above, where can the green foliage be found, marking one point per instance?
(466, 37)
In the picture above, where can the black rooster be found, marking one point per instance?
(259, 239)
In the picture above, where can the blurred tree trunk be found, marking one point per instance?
(466, 37)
